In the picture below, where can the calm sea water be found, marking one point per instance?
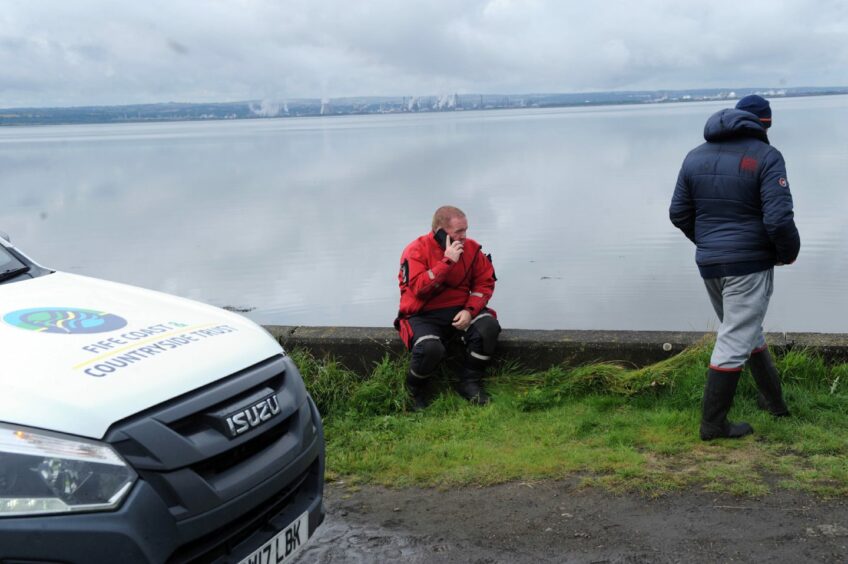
(302, 221)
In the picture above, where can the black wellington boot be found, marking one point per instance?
(718, 397)
(419, 389)
(767, 379)
(471, 387)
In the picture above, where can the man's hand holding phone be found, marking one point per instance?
(453, 249)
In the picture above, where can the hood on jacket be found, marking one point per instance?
(731, 123)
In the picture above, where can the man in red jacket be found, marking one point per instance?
(445, 284)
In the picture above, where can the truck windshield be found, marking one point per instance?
(10, 266)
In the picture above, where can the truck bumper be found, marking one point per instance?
(144, 530)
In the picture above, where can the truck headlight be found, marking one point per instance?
(43, 473)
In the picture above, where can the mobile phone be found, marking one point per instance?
(442, 238)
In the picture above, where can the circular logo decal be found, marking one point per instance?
(782, 182)
(64, 320)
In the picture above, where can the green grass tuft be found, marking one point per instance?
(614, 427)
(384, 393)
(330, 384)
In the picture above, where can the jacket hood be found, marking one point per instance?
(732, 123)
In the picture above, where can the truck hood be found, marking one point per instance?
(78, 354)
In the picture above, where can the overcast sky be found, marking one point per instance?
(93, 52)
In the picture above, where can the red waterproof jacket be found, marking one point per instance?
(429, 280)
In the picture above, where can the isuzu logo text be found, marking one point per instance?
(251, 417)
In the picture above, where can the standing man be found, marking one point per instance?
(732, 200)
(445, 284)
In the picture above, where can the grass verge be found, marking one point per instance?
(609, 426)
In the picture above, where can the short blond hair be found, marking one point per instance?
(444, 214)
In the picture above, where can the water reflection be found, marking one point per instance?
(304, 219)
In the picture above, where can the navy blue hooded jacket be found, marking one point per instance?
(732, 199)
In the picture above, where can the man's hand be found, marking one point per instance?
(453, 249)
(462, 320)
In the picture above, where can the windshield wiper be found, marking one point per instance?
(13, 272)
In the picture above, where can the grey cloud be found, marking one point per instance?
(97, 52)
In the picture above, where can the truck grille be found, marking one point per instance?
(264, 521)
(183, 450)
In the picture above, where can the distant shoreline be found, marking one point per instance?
(375, 105)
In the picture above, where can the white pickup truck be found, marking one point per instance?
(141, 427)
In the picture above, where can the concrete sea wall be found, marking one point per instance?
(359, 348)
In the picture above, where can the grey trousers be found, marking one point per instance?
(741, 303)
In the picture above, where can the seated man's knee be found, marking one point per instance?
(427, 352)
(483, 334)
(481, 340)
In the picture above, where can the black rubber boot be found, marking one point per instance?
(471, 387)
(419, 389)
(767, 379)
(718, 397)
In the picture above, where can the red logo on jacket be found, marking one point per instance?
(748, 164)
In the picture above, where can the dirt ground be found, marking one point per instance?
(558, 522)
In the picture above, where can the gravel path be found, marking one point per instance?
(557, 522)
